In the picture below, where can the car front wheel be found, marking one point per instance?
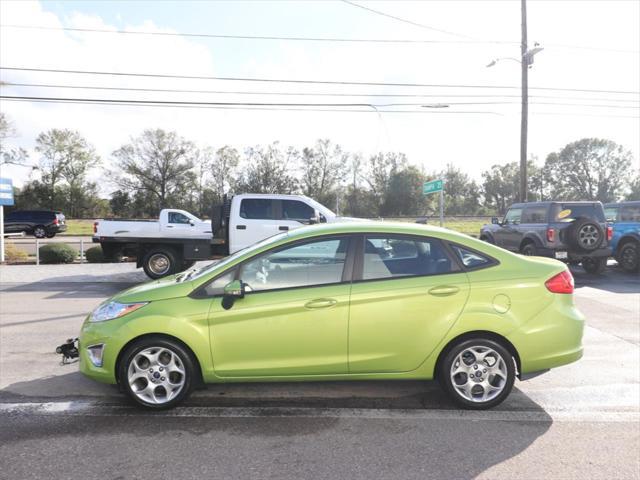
(157, 373)
(477, 373)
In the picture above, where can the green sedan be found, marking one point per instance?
(350, 301)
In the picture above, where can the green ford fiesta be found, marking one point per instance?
(350, 301)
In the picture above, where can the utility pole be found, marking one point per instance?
(524, 120)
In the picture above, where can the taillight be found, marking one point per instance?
(551, 234)
(95, 227)
(55, 221)
(560, 283)
(609, 233)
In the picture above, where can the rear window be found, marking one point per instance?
(567, 212)
(630, 213)
(257, 209)
(535, 215)
(472, 259)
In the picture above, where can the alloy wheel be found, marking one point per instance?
(159, 264)
(479, 374)
(156, 375)
(588, 236)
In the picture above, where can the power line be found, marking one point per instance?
(389, 41)
(310, 82)
(306, 94)
(410, 22)
(280, 104)
(331, 110)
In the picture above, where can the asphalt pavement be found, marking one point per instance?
(579, 421)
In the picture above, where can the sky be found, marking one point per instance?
(588, 45)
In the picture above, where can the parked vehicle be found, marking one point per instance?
(178, 239)
(349, 301)
(625, 219)
(574, 232)
(39, 223)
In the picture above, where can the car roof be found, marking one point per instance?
(618, 204)
(554, 202)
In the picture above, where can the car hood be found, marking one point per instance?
(162, 289)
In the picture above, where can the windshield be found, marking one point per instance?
(200, 272)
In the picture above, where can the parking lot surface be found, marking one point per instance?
(579, 421)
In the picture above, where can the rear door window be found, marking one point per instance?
(472, 259)
(630, 213)
(257, 209)
(401, 256)
(537, 214)
(567, 212)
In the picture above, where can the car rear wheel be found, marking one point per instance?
(529, 250)
(39, 232)
(477, 373)
(629, 257)
(594, 265)
(157, 373)
(160, 263)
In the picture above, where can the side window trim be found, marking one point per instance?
(491, 263)
(358, 268)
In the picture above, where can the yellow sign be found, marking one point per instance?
(564, 213)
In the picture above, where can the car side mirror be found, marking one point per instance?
(232, 291)
(192, 223)
(317, 218)
(495, 220)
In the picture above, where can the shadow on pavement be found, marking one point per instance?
(68, 288)
(613, 280)
(472, 445)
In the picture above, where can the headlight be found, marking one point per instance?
(111, 310)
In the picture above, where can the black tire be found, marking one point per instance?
(594, 265)
(584, 235)
(186, 359)
(39, 231)
(445, 368)
(160, 262)
(51, 234)
(529, 250)
(488, 239)
(629, 257)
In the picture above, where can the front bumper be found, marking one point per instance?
(95, 334)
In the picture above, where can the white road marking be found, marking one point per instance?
(98, 410)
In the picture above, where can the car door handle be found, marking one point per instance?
(283, 228)
(444, 290)
(169, 226)
(241, 227)
(320, 303)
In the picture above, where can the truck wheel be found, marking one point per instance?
(188, 264)
(529, 250)
(39, 232)
(159, 263)
(594, 265)
(629, 257)
(585, 235)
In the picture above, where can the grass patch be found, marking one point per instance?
(79, 227)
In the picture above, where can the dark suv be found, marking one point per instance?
(574, 232)
(39, 223)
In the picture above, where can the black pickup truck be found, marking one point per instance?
(573, 232)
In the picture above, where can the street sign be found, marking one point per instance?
(6, 192)
(432, 187)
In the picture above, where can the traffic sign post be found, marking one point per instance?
(435, 186)
(6, 198)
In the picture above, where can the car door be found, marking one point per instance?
(509, 236)
(256, 220)
(294, 214)
(407, 293)
(293, 319)
(178, 225)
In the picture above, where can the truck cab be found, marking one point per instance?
(254, 217)
(624, 217)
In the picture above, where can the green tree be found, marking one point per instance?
(403, 195)
(589, 169)
(461, 193)
(501, 185)
(380, 169)
(323, 169)
(9, 156)
(268, 170)
(157, 163)
(634, 189)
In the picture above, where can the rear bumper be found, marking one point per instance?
(573, 255)
(57, 228)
